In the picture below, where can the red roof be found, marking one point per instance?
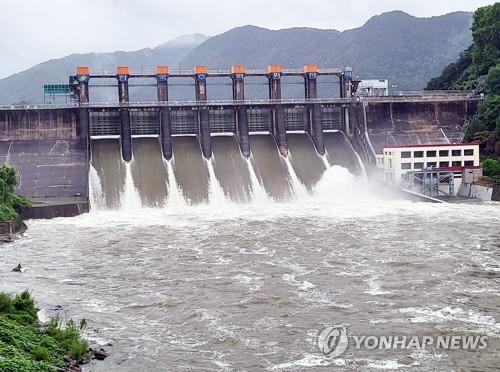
(433, 145)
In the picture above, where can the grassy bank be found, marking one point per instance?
(26, 345)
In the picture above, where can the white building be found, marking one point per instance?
(398, 161)
(373, 87)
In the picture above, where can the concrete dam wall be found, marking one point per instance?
(51, 150)
(47, 151)
(405, 123)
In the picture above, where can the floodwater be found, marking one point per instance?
(224, 286)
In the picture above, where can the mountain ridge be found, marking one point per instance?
(406, 49)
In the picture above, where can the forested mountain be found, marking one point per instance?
(405, 49)
(478, 68)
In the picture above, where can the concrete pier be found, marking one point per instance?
(122, 74)
(82, 78)
(313, 113)
(162, 93)
(200, 77)
(278, 114)
(346, 91)
(162, 83)
(238, 77)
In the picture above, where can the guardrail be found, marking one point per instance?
(183, 103)
(401, 98)
(422, 98)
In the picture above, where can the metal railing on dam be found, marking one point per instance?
(406, 97)
(219, 103)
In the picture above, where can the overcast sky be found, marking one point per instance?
(32, 31)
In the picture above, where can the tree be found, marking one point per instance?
(9, 201)
(487, 114)
(493, 80)
(498, 128)
(491, 167)
(452, 73)
(479, 67)
(486, 36)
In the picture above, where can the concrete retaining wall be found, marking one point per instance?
(39, 124)
(405, 123)
(45, 148)
(471, 190)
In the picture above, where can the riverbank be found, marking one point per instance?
(26, 345)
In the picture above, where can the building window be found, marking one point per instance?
(390, 163)
(418, 166)
(406, 154)
(456, 152)
(468, 152)
(431, 164)
(444, 152)
(456, 163)
(405, 165)
(431, 154)
(444, 164)
(418, 154)
(469, 163)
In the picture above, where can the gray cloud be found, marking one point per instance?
(33, 31)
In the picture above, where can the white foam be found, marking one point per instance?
(216, 194)
(253, 283)
(480, 323)
(96, 194)
(374, 287)
(386, 364)
(305, 286)
(298, 188)
(130, 200)
(309, 361)
(175, 197)
(324, 159)
(259, 194)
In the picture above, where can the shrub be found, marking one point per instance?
(9, 201)
(24, 308)
(19, 201)
(5, 303)
(69, 336)
(25, 346)
(40, 353)
(491, 168)
(7, 212)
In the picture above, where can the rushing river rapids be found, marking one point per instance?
(247, 285)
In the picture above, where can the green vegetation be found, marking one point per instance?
(25, 345)
(9, 201)
(478, 68)
(491, 168)
(455, 75)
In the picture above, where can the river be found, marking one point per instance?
(228, 286)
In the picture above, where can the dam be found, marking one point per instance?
(200, 255)
(192, 151)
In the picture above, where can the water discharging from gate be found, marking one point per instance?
(189, 179)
